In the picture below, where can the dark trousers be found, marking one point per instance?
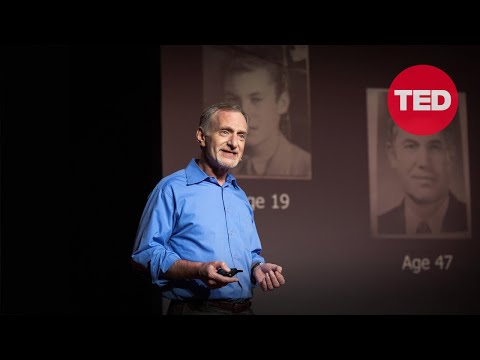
(195, 307)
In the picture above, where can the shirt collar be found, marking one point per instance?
(231, 179)
(435, 221)
(196, 175)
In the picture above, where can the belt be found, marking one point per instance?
(234, 306)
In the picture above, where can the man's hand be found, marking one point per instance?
(208, 274)
(205, 271)
(269, 276)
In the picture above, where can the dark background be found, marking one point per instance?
(81, 151)
(117, 141)
(80, 132)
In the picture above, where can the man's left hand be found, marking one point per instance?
(269, 276)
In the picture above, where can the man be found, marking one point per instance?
(260, 87)
(198, 221)
(423, 164)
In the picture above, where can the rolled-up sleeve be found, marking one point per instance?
(256, 246)
(151, 250)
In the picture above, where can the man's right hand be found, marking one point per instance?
(208, 274)
(205, 271)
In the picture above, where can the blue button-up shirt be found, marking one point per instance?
(189, 216)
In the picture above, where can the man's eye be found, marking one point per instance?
(436, 147)
(231, 99)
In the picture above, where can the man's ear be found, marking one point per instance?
(283, 103)
(451, 153)
(392, 155)
(200, 137)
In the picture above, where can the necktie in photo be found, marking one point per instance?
(423, 228)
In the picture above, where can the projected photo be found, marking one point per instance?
(419, 185)
(270, 82)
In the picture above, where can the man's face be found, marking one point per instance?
(423, 163)
(255, 92)
(224, 141)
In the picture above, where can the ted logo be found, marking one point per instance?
(422, 100)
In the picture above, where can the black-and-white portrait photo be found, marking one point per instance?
(270, 83)
(419, 185)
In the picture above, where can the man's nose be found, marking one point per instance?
(249, 109)
(423, 157)
(233, 141)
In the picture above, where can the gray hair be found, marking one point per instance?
(211, 112)
(391, 131)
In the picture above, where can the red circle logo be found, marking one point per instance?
(422, 100)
